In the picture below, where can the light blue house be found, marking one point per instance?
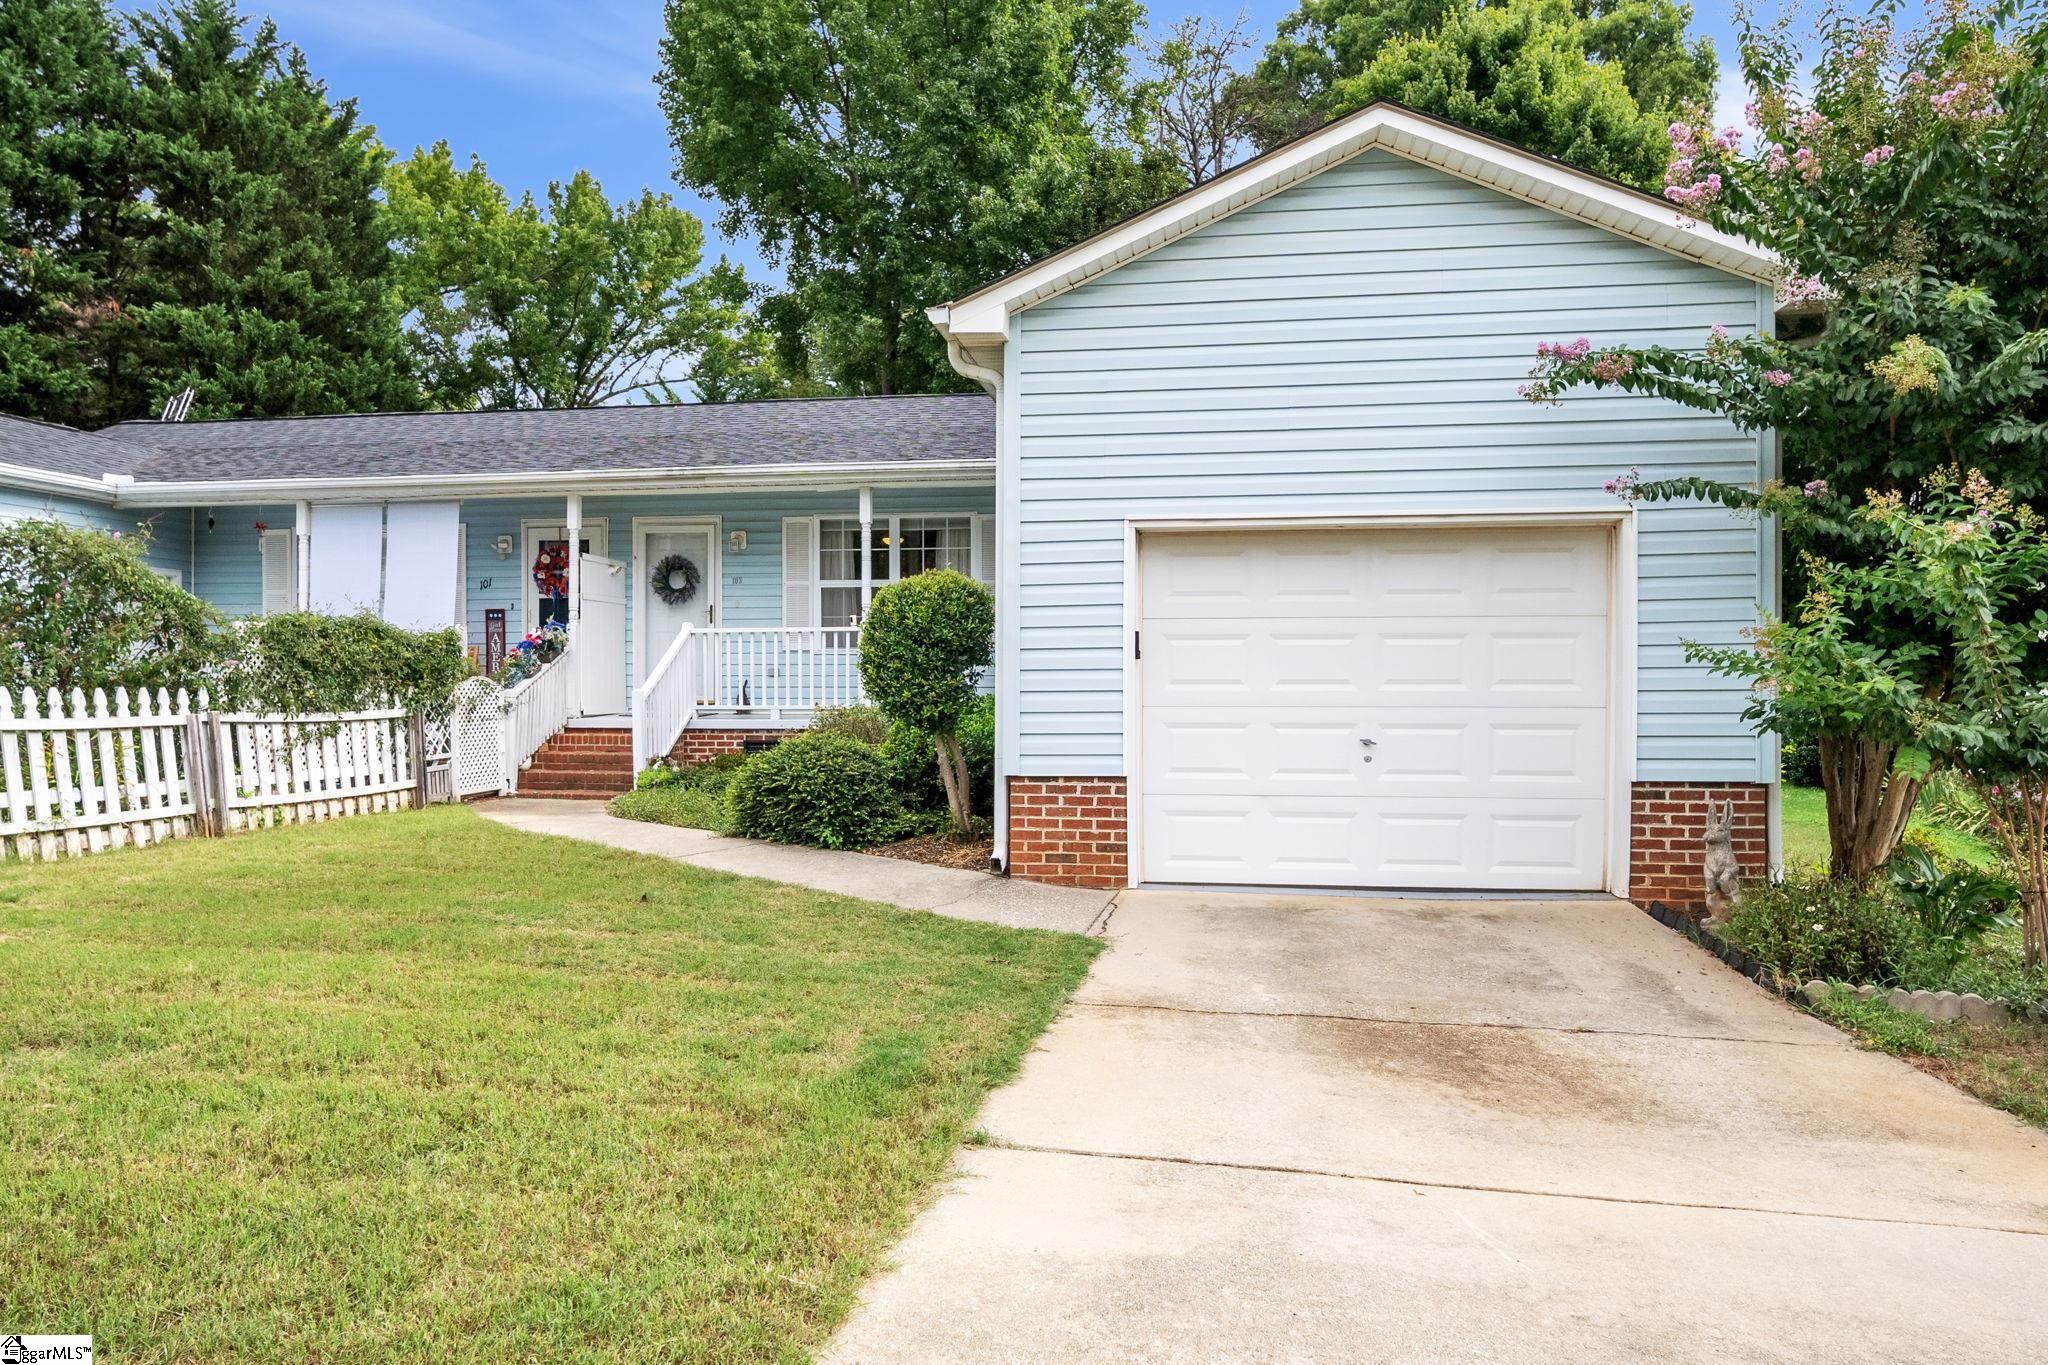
(1293, 587)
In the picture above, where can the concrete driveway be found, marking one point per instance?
(1302, 1128)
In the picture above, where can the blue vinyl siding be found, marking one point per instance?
(1348, 346)
(227, 560)
(169, 529)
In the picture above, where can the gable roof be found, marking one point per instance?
(978, 322)
(63, 457)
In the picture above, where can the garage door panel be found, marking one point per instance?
(1335, 841)
(1415, 573)
(1431, 751)
(1413, 708)
(1355, 661)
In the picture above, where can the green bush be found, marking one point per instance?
(1799, 762)
(912, 757)
(864, 723)
(923, 647)
(1810, 926)
(690, 807)
(819, 788)
(303, 663)
(83, 609)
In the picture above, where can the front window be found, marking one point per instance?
(900, 547)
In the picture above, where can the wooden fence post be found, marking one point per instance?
(219, 764)
(198, 779)
(416, 743)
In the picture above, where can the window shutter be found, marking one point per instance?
(985, 550)
(799, 571)
(279, 572)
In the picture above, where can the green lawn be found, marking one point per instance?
(1805, 833)
(419, 1086)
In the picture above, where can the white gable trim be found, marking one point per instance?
(979, 321)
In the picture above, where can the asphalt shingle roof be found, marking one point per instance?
(64, 450)
(693, 435)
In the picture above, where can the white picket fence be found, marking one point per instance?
(91, 775)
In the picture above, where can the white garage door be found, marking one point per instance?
(1375, 708)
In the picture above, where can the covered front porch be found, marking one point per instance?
(730, 608)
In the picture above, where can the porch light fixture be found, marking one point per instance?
(503, 545)
(737, 540)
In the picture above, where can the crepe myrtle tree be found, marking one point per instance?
(924, 645)
(1904, 195)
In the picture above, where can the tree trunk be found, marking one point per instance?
(953, 774)
(2036, 927)
(1868, 804)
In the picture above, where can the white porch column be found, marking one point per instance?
(572, 525)
(302, 542)
(867, 531)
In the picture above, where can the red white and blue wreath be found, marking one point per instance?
(675, 579)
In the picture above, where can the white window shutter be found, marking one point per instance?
(799, 571)
(985, 550)
(279, 572)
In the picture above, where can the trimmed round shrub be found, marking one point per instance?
(820, 788)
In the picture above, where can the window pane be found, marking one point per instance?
(838, 550)
(938, 543)
(837, 606)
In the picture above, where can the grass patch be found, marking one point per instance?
(691, 807)
(1804, 832)
(420, 1086)
(2005, 1065)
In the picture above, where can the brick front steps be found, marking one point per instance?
(589, 765)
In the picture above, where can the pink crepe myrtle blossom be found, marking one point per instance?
(1730, 139)
(1696, 195)
(1798, 288)
(1808, 162)
(1818, 488)
(1720, 331)
(1777, 161)
(1610, 366)
(1878, 154)
(1624, 485)
(1565, 350)
(1777, 379)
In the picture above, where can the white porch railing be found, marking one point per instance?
(760, 673)
(535, 711)
(666, 701)
(774, 671)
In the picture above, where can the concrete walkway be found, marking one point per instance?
(892, 881)
(1309, 1129)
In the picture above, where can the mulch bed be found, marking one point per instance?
(942, 850)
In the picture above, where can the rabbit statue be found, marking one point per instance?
(1722, 874)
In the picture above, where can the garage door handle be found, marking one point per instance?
(1367, 744)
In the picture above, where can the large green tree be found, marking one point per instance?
(66, 202)
(264, 276)
(572, 303)
(1900, 182)
(893, 153)
(1588, 81)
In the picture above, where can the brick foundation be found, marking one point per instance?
(1071, 830)
(1667, 821)
(701, 746)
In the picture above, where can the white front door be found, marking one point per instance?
(683, 546)
(1394, 708)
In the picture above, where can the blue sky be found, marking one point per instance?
(540, 88)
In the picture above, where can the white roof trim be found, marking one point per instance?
(982, 317)
(704, 478)
(100, 489)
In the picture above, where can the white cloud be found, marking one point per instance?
(1730, 95)
(547, 45)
